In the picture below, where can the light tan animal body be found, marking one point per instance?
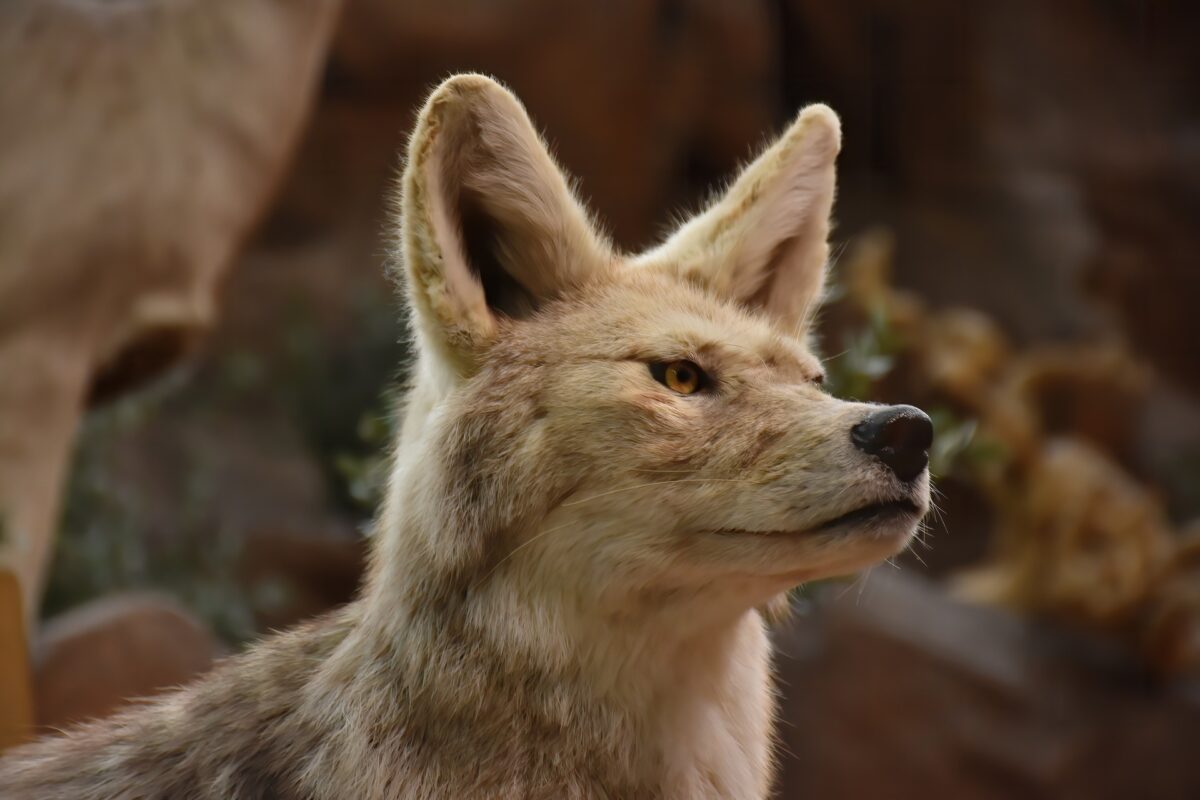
(607, 464)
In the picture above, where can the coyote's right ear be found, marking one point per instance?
(489, 228)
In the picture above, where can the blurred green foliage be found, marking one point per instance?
(329, 393)
(867, 357)
(364, 471)
(105, 543)
(341, 400)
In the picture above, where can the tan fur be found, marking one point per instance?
(562, 599)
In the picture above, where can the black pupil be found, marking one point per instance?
(683, 374)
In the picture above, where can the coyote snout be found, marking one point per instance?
(607, 464)
(898, 436)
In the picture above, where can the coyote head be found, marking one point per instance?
(610, 429)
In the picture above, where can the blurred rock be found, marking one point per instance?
(647, 103)
(1017, 183)
(894, 691)
(1146, 268)
(140, 142)
(980, 135)
(94, 659)
(309, 572)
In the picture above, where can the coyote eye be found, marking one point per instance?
(683, 377)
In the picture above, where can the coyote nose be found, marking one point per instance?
(899, 436)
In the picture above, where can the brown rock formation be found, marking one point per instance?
(95, 658)
(895, 691)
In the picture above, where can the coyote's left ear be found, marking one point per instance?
(489, 227)
(764, 243)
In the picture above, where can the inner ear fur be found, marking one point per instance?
(490, 228)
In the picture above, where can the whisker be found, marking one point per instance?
(937, 513)
(863, 586)
(839, 355)
(851, 585)
(922, 539)
(780, 745)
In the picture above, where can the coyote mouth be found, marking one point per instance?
(873, 513)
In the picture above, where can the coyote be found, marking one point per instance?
(608, 467)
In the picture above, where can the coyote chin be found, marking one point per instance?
(608, 463)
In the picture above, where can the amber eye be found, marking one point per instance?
(683, 377)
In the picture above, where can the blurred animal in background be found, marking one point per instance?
(141, 142)
(608, 464)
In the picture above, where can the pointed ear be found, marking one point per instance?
(489, 228)
(764, 243)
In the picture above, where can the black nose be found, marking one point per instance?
(899, 436)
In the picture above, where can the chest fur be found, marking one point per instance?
(703, 733)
